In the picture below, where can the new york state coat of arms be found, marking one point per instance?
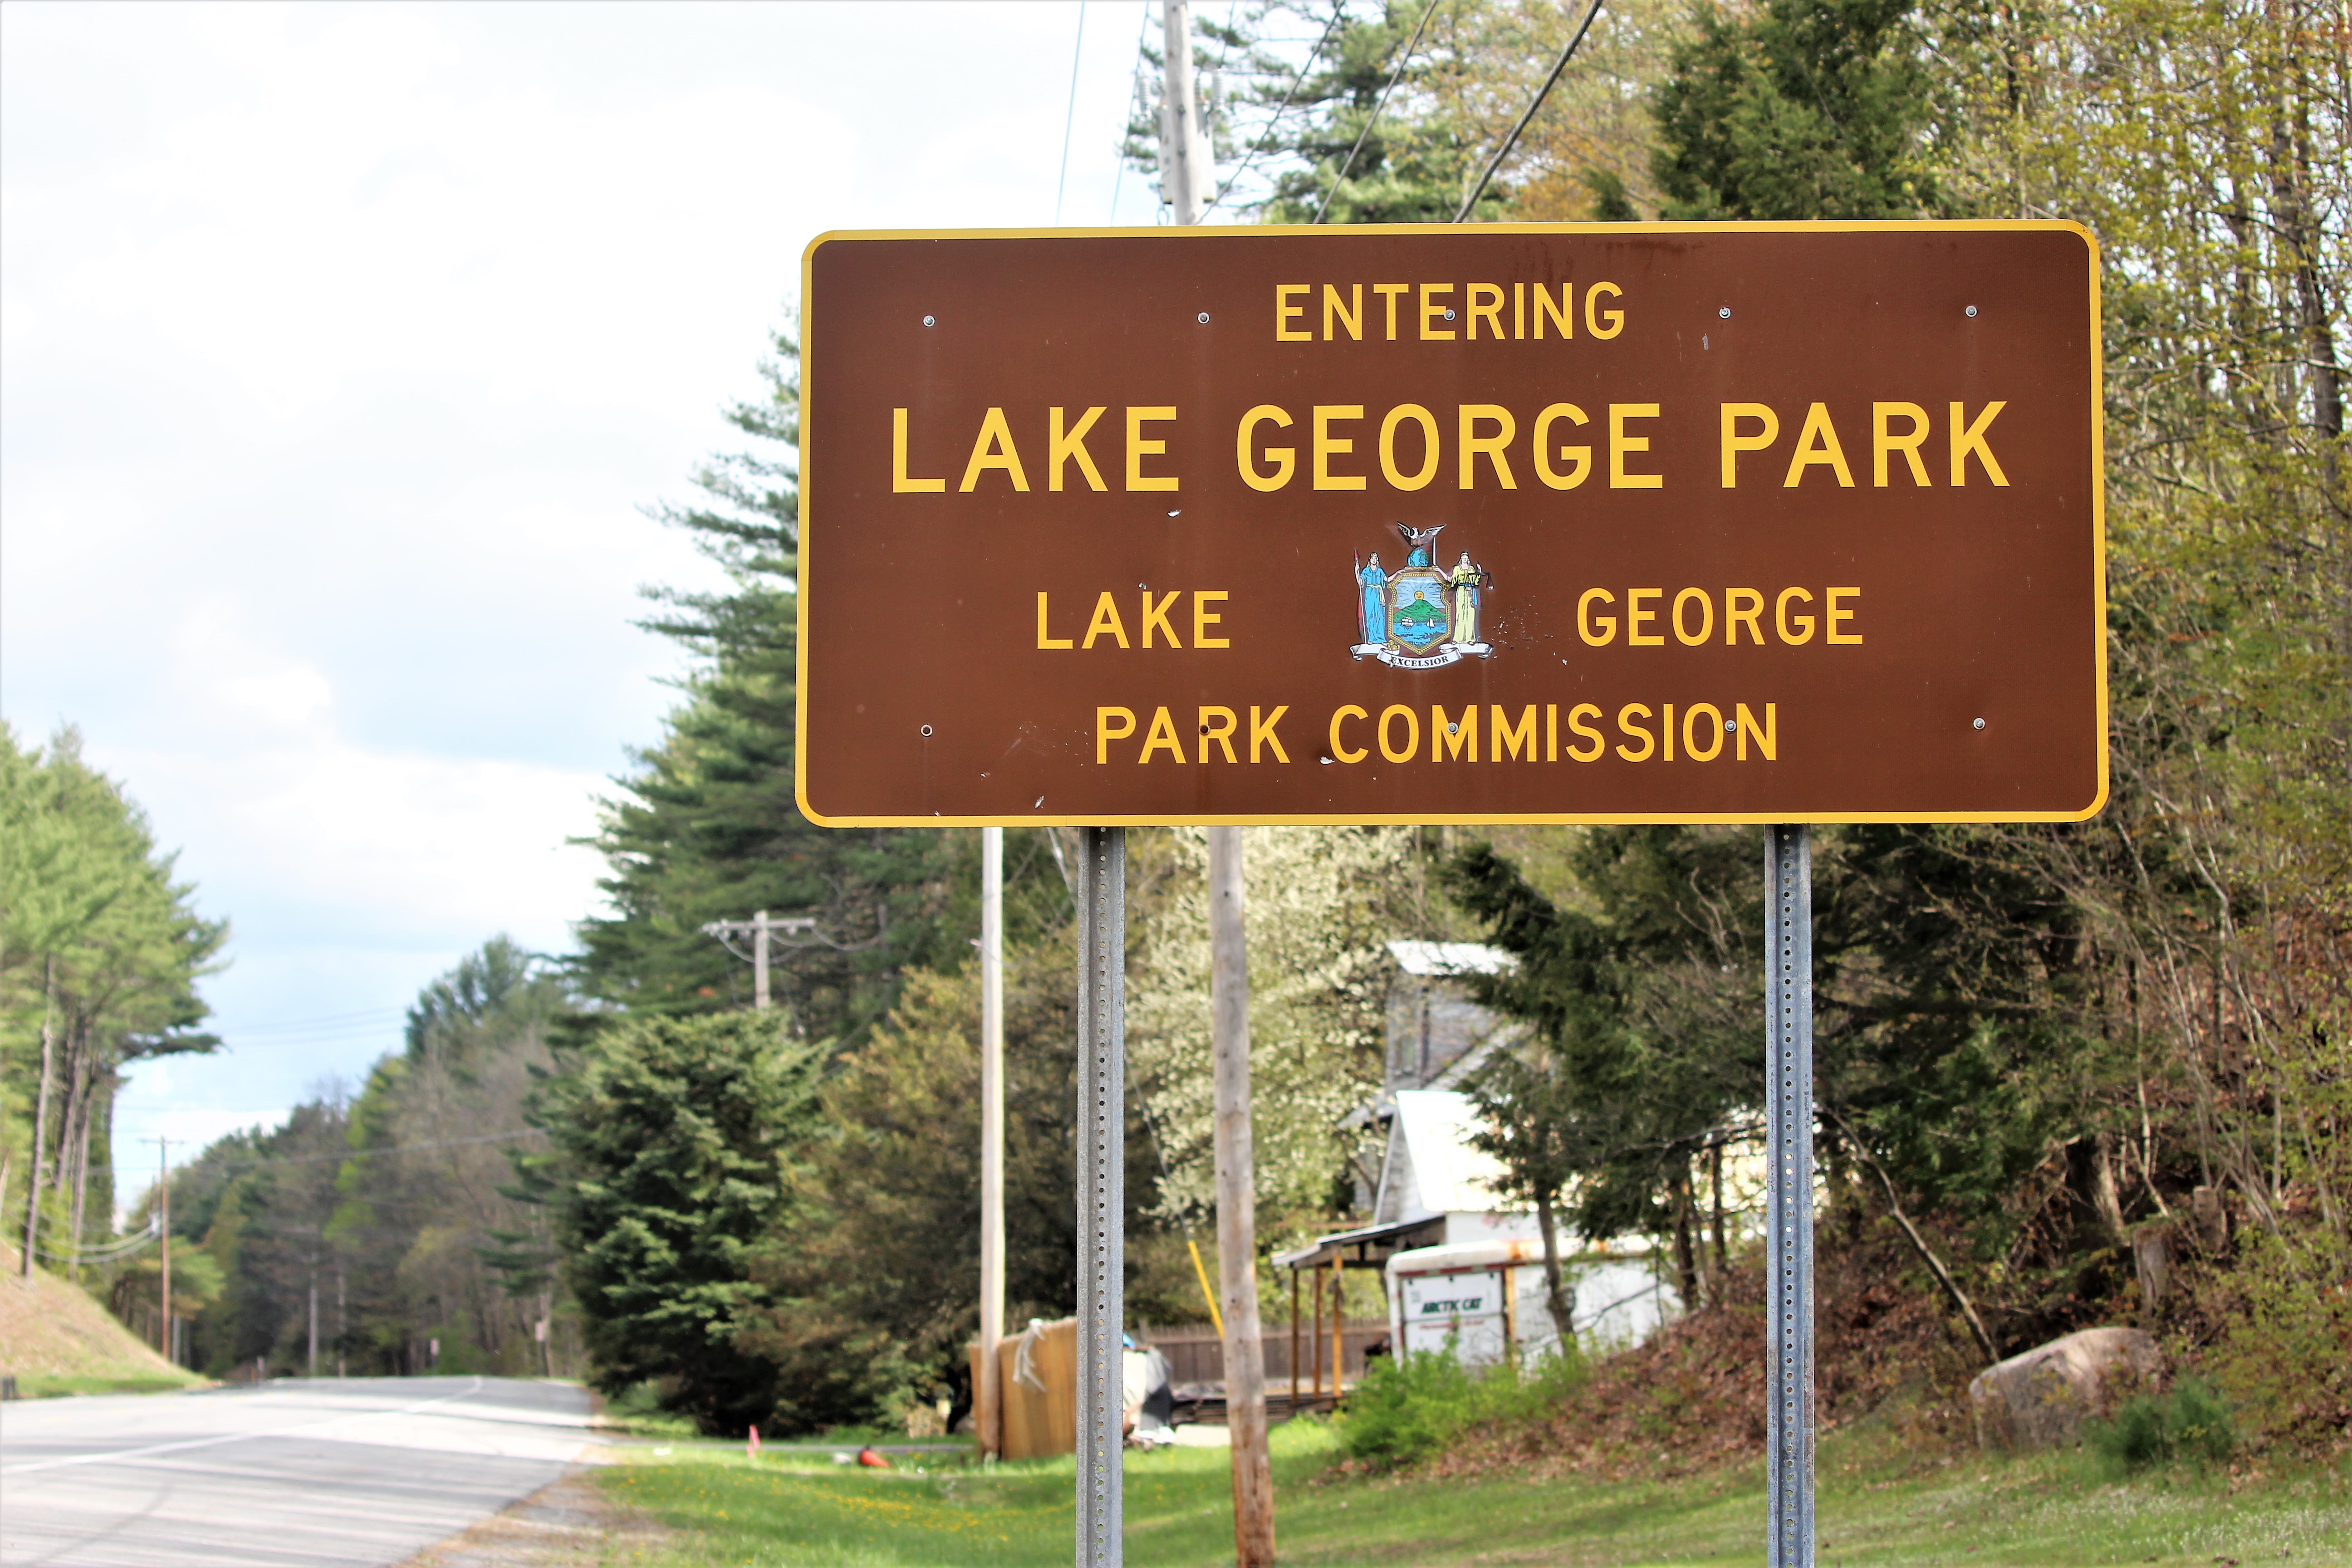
(1420, 616)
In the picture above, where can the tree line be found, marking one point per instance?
(100, 951)
(2073, 1074)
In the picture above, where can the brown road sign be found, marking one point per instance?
(1602, 523)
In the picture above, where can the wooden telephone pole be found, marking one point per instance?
(1188, 180)
(1237, 1202)
(760, 932)
(164, 1232)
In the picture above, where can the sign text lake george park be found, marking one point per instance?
(1602, 523)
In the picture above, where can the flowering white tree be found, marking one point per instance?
(1319, 903)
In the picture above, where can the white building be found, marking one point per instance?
(1462, 1264)
(1479, 1274)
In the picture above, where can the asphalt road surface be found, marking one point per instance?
(300, 1474)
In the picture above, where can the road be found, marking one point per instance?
(300, 1474)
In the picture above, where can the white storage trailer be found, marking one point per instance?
(1487, 1299)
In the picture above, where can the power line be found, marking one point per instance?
(325, 1021)
(365, 1153)
(1070, 115)
(1395, 76)
(1281, 109)
(113, 1252)
(1542, 93)
(342, 1037)
(1134, 104)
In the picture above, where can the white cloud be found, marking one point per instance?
(340, 349)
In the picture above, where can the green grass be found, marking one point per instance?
(1877, 1507)
(34, 1386)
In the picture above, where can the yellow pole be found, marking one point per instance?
(1338, 1326)
(1202, 1272)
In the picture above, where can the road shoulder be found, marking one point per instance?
(571, 1523)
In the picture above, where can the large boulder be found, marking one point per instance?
(2041, 1399)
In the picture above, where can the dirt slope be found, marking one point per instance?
(50, 1329)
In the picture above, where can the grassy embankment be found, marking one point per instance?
(1879, 1506)
(54, 1339)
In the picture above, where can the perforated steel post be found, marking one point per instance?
(1102, 1159)
(1788, 1209)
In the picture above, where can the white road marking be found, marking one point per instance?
(106, 1459)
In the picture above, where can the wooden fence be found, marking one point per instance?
(1039, 1370)
(1196, 1355)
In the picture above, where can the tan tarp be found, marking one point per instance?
(1040, 1378)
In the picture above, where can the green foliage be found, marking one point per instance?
(1801, 109)
(33, 1386)
(1409, 1407)
(395, 1203)
(876, 1273)
(257, 1205)
(2190, 1424)
(2046, 1038)
(1321, 901)
(1884, 1510)
(1405, 1408)
(437, 1242)
(674, 1133)
(101, 952)
(637, 1411)
(2280, 1318)
(707, 827)
(1410, 162)
(83, 886)
(1951, 990)
(1647, 1032)
(1611, 203)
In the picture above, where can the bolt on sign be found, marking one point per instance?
(1745, 522)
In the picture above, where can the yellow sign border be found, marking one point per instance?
(1274, 231)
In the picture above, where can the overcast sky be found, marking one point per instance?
(341, 347)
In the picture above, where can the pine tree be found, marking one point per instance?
(675, 1134)
(101, 952)
(1803, 109)
(1377, 141)
(707, 827)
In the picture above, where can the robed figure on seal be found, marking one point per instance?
(1373, 611)
(1467, 579)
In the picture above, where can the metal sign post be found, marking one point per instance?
(1770, 524)
(1789, 1207)
(1102, 1190)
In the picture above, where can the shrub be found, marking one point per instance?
(2280, 1347)
(1406, 1409)
(2190, 1422)
(1409, 1407)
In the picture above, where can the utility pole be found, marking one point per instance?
(988, 1392)
(1187, 180)
(343, 1323)
(1229, 1044)
(164, 1230)
(1187, 170)
(760, 961)
(760, 933)
(314, 1319)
